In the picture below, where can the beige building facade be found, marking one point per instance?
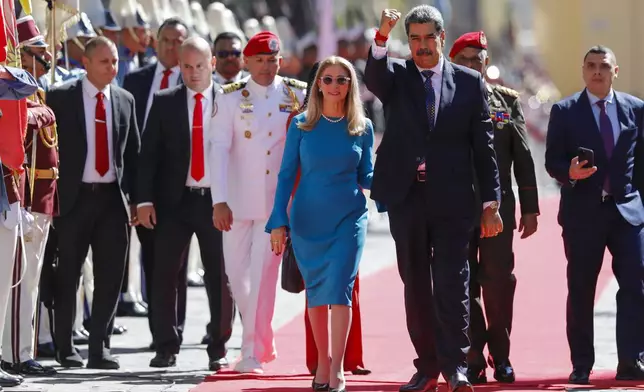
(565, 29)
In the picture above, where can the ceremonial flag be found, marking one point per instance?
(8, 35)
(23, 8)
(66, 13)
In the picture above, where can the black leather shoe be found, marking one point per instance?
(476, 375)
(163, 360)
(207, 339)
(318, 386)
(33, 368)
(633, 371)
(360, 371)
(216, 365)
(420, 383)
(119, 329)
(503, 372)
(8, 380)
(579, 376)
(46, 350)
(104, 362)
(131, 309)
(6, 366)
(458, 383)
(80, 337)
(70, 361)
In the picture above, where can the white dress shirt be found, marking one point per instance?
(611, 111)
(90, 175)
(173, 80)
(379, 52)
(207, 103)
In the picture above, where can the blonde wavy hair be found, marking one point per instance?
(353, 108)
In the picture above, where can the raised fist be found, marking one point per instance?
(388, 20)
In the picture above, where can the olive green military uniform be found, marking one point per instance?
(492, 259)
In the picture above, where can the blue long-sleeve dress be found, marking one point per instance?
(328, 217)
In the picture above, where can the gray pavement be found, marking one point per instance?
(192, 363)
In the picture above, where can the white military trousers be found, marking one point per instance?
(252, 270)
(18, 338)
(8, 244)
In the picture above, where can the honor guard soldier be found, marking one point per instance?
(134, 36)
(248, 137)
(492, 258)
(77, 36)
(15, 85)
(40, 201)
(102, 19)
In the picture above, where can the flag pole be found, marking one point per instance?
(52, 35)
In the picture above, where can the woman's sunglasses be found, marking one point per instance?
(341, 80)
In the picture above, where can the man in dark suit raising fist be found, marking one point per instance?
(438, 127)
(98, 144)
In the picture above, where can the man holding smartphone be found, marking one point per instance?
(601, 207)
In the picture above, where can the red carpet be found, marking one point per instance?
(539, 353)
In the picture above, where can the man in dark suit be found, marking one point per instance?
(227, 49)
(143, 84)
(437, 127)
(175, 200)
(98, 145)
(492, 259)
(601, 207)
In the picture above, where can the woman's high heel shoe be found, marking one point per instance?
(320, 387)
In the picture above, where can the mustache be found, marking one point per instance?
(424, 52)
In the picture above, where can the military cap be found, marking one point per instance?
(474, 39)
(264, 42)
(29, 34)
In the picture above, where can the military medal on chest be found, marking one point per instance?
(246, 106)
(501, 118)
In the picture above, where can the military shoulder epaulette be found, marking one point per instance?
(232, 87)
(295, 83)
(507, 91)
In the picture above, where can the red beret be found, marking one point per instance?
(264, 42)
(475, 39)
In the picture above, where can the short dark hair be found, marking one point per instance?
(173, 22)
(96, 42)
(225, 35)
(601, 49)
(425, 14)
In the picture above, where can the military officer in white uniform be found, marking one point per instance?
(247, 134)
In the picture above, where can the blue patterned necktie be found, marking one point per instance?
(430, 98)
(606, 130)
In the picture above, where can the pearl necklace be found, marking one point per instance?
(333, 121)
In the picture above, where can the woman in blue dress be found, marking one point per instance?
(332, 145)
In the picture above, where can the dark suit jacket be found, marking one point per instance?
(165, 154)
(572, 125)
(67, 103)
(463, 137)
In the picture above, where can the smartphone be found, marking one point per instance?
(586, 154)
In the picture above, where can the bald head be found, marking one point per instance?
(196, 44)
(197, 63)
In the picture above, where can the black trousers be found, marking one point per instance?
(432, 254)
(491, 269)
(585, 244)
(99, 219)
(175, 228)
(146, 238)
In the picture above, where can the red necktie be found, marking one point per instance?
(197, 167)
(165, 82)
(100, 123)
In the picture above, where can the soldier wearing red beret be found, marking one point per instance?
(41, 200)
(492, 259)
(248, 136)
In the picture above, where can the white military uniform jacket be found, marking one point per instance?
(247, 133)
